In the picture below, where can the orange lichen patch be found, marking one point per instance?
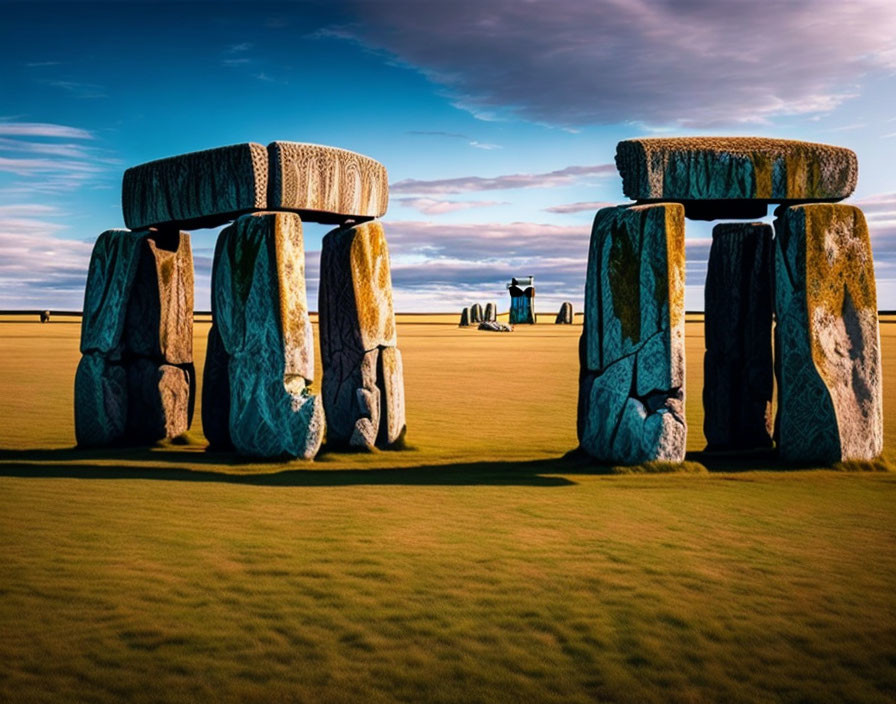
(295, 325)
(780, 169)
(312, 177)
(372, 281)
(675, 262)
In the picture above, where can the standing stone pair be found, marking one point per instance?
(260, 360)
(827, 351)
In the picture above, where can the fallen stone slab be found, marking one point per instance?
(198, 189)
(565, 314)
(260, 311)
(494, 326)
(738, 370)
(101, 401)
(631, 393)
(159, 319)
(490, 314)
(712, 176)
(357, 327)
(830, 405)
(110, 279)
(326, 184)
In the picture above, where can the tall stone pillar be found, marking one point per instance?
(738, 381)
(631, 385)
(830, 394)
(266, 343)
(363, 385)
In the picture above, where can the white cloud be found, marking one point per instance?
(431, 206)
(467, 184)
(42, 129)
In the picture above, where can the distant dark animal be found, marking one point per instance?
(45, 316)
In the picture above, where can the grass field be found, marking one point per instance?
(482, 564)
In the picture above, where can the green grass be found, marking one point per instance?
(485, 564)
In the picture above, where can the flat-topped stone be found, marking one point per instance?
(712, 176)
(211, 187)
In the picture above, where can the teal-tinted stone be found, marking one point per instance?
(216, 393)
(101, 401)
(110, 279)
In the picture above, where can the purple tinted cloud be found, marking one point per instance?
(467, 184)
(691, 63)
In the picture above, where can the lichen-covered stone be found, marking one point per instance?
(476, 315)
(101, 401)
(357, 325)
(326, 184)
(495, 326)
(110, 279)
(738, 370)
(631, 392)
(199, 189)
(464, 318)
(159, 320)
(565, 314)
(490, 314)
(260, 311)
(830, 394)
(160, 400)
(216, 393)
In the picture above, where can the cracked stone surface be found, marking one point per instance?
(363, 387)
(260, 312)
(738, 369)
(490, 315)
(565, 314)
(830, 404)
(631, 385)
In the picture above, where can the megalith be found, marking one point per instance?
(565, 314)
(476, 314)
(261, 315)
(490, 315)
(522, 301)
(738, 381)
(828, 341)
(631, 390)
(464, 318)
(363, 384)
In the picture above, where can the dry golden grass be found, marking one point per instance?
(480, 565)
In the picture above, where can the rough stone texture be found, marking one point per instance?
(260, 311)
(464, 318)
(491, 313)
(199, 189)
(160, 400)
(476, 315)
(738, 370)
(362, 381)
(830, 394)
(565, 314)
(159, 318)
(631, 393)
(101, 401)
(110, 279)
(725, 169)
(216, 393)
(522, 305)
(326, 184)
(494, 326)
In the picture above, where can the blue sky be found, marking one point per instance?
(497, 119)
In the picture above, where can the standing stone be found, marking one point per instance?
(160, 400)
(45, 316)
(565, 314)
(101, 401)
(464, 318)
(491, 313)
(631, 393)
(830, 394)
(216, 392)
(738, 370)
(363, 386)
(522, 304)
(261, 314)
(476, 313)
